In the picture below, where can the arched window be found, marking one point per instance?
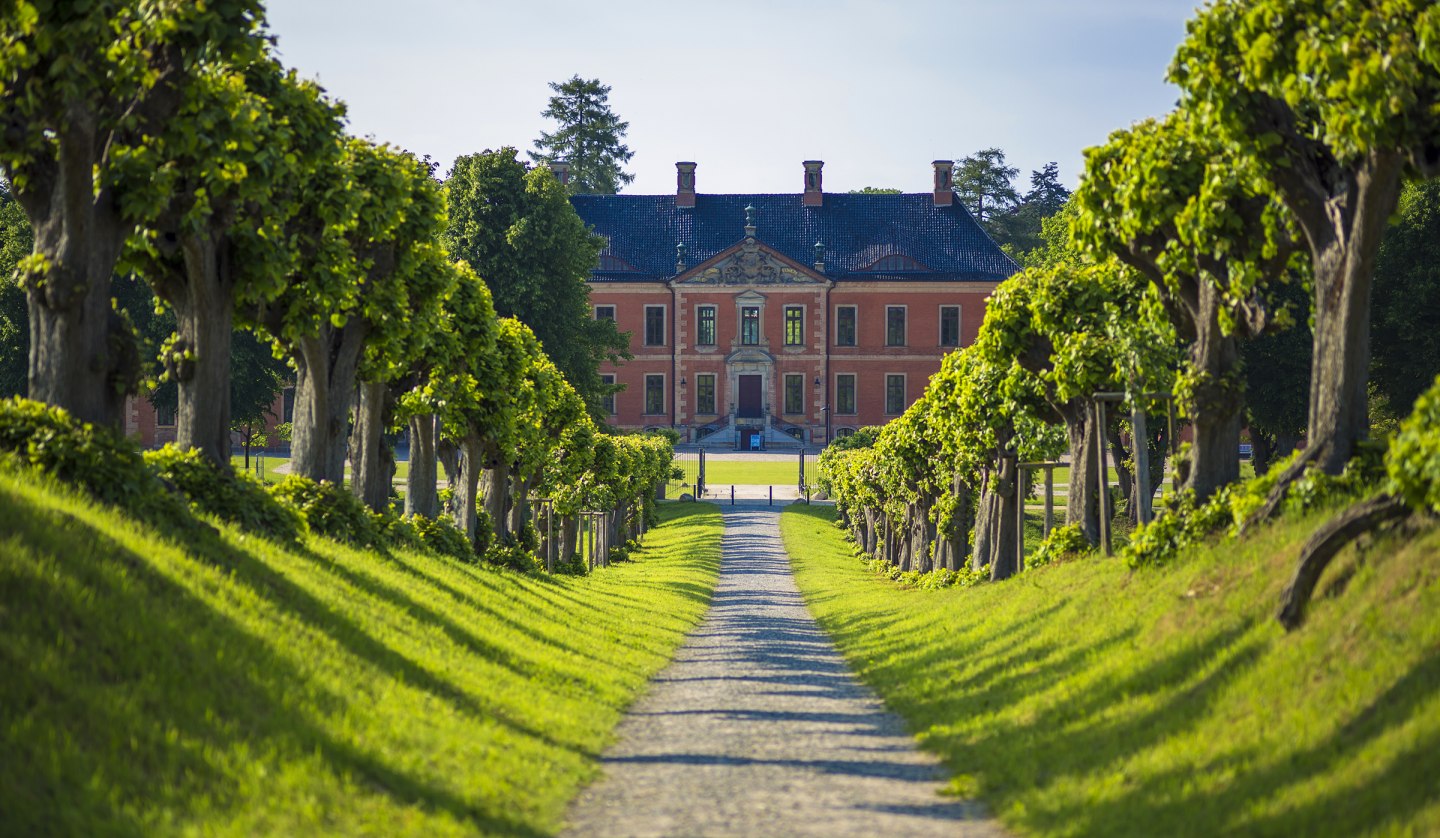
(614, 263)
(841, 433)
(895, 262)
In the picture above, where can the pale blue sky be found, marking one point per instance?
(750, 89)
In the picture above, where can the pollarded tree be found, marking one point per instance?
(347, 307)
(518, 230)
(83, 87)
(471, 391)
(553, 408)
(590, 137)
(1081, 329)
(218, 185)
(993, 416)
(1166, 200)
(1333, 102)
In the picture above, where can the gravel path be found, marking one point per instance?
(758, 728)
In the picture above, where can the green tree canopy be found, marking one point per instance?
(1333, 102)
(590, 137)
(84, 88)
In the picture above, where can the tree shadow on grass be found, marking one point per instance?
(135, 692)
(1169, 802)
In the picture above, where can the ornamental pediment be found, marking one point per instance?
(749, 263)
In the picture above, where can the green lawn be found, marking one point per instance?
(753, 473)
(237, 462)
(233, 687)
(1084, 699)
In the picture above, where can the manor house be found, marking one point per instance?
(768, 321)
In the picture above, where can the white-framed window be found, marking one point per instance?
(845, 394)
(845, 325)
(794, 325)
(894, 325)
(949, 325)
(654, 394)
(605, 313)
(794, 393)
(750, 325)
(705, 394)
(894, 394)
(654, 325)
(705, 325)
(608, 401)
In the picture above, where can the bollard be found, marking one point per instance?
(732, 495)
(771, 489)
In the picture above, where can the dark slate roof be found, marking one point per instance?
(857, 230)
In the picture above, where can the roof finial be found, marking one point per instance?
(680, 249)
(820, 256)
(750, 221)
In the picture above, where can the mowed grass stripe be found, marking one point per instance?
(1084, 699)
(241, 688)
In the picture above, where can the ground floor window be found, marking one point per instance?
(845, 394)
(894, 394)
(654, 394)
(705, 394)
(608, 400)
(794, 393)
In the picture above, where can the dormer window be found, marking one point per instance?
(894, 263)
(614, 263)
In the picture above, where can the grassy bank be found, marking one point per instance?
(1084, 699)
(237, 687)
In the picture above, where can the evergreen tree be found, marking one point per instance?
(589, 137)
(1047, 194)
(986, 185)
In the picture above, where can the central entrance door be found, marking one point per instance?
(748, 403)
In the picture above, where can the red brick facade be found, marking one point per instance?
(850, 382)
(794, 318)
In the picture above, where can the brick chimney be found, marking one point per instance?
(814, 195)
(944, 182)
(684, 184)
(561, 170)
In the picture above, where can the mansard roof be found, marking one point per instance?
(857, 231)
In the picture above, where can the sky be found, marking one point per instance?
(748, 90)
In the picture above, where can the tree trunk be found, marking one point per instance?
(421, 495)
(1262, 450)
(872, 523)
(520, 513)
(324, 386)
(467, 488)
(1124, 476)
(1216, 400)
(82, 355)
(1082, 503)
(1005, 541)
(371, 469)
(988, 507)
(955, 537)
(922, 534)
(497, 497)
(569, 535)
(1344, 270)
(204, 303)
